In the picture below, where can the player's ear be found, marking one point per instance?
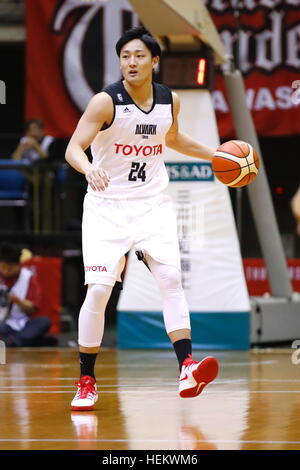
(155, 61)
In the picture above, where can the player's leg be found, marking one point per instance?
(194, 376)
(103, 246)
(90, 334)
(158, 241)
(91, 326)
(175, 308)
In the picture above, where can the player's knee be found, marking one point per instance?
(171, 280)
(98, 290)
(97, 296)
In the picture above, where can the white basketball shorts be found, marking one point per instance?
(111, 227)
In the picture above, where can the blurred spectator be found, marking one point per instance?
(34, 145)
(295, 206)
(19, 300)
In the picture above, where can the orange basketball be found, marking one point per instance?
(235, 163)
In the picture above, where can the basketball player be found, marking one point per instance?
(128, 126)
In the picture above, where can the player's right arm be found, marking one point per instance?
(99, 111)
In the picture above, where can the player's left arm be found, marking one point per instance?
(183, 143)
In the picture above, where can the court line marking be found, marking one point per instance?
(144, 391)
(138, 379)
(250, 363)
(14, 387)
(134, 366)
(120, 383)
(215, 441)
(123, 385)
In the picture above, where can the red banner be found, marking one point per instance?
(46, 94)
(49, 275)
(264, 37)
(71, 56)
(257, 276)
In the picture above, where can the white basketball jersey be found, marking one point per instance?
(131, 148)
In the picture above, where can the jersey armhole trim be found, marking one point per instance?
(172, 107)
(107, 126)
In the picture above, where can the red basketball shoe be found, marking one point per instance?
(195, 375)
(86, 395)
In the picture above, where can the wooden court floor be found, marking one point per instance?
(253, 404)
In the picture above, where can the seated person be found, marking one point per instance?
(34, 145)
(19, 299)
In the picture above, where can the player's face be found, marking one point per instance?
(8, 270)
(136, 62)
(35, 131)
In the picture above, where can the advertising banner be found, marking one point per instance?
(70, 56)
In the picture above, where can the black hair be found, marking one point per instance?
(139, 33)
(38, 122)
(10, 253)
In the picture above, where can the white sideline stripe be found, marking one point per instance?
(124, 383)
(120, 385)
(100, 386)
(144, 391)
(254, 363)
(14, 387)
(137, 379)
(12, 377)
(73, 391)
(134, 366)
(215, 441)
(275, 380)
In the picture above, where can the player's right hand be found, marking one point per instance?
(97, 178)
